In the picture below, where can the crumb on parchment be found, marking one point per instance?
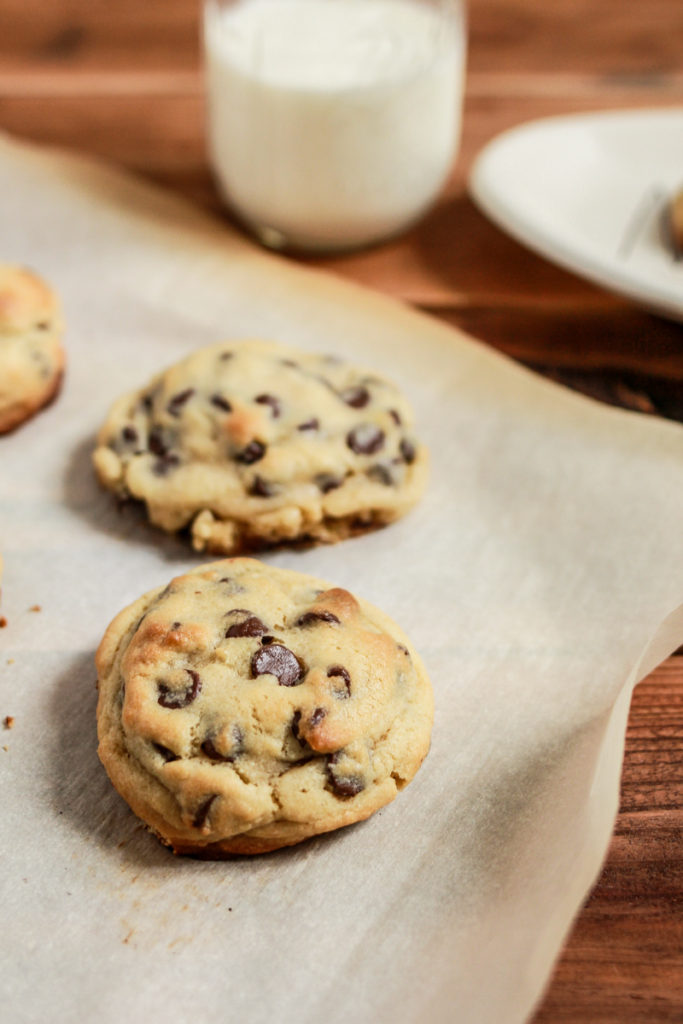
(3, 621)
(8, 721)
(35, 608)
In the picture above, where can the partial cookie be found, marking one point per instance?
(31, 354)
(676, 221)
(243, 708)
(250, 444)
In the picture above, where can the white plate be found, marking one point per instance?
(589, 192)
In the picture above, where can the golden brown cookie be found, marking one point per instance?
(243, 708)
(31, 354)
(251, 444)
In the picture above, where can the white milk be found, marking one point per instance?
(332, 123)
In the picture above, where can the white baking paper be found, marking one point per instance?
(540, 578)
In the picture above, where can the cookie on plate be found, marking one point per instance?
(243, 708)
(250, 444)
(31, 354)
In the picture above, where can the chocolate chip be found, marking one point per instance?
(203, 812)
(167, 754)
(265, 640)
(357, 397)
(296, 718)
(220, 402)
(165, 463)
(236, 749)
(403, 649)
(250, 626)
(339, 672)
(326, 482)
(407, 450)
(291, 363)
(365, 439)
(278, 661)
(343, 785)
(156, 442)
(178, 401)
(261, 488)
(381, 474)
(308, 618)
(175, 625)
(396, 417)
(169, 698)
(227, 354)
(312, 424)
(130, 435)
(317, 717)
(252, 453)
(272, 401)
(146, 402)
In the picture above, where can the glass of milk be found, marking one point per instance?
(332, 124)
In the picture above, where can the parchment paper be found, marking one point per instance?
(540, 578)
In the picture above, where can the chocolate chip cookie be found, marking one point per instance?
(251, 444)
(243, 708)
(31, 354)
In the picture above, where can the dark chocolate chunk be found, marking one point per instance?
(249, 626)
(339, 672)
(343, 785)
(220, 402)
(167, 754)
(178, 401)
(129, 435)
(308, 618)
(236, 749)
(261, 488)
(169, 698)
(165, 463)
(357, 397)
(265, 640)
(272, 401)
(382, 474)
(156, 442)
(203, 811)
(278, 661)
(252, 453)
(312, 424)
(407, 450)
(326, 482)
(396, 417)
(365, 439)
(317, 717)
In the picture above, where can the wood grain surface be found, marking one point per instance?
(121, 80)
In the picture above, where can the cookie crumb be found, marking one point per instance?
(3, 621)
(10, 661)
(35, 608)
(9, 721)
(6, 748)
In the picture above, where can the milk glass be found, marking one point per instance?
(332, 123)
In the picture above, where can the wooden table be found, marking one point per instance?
(121, 79)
